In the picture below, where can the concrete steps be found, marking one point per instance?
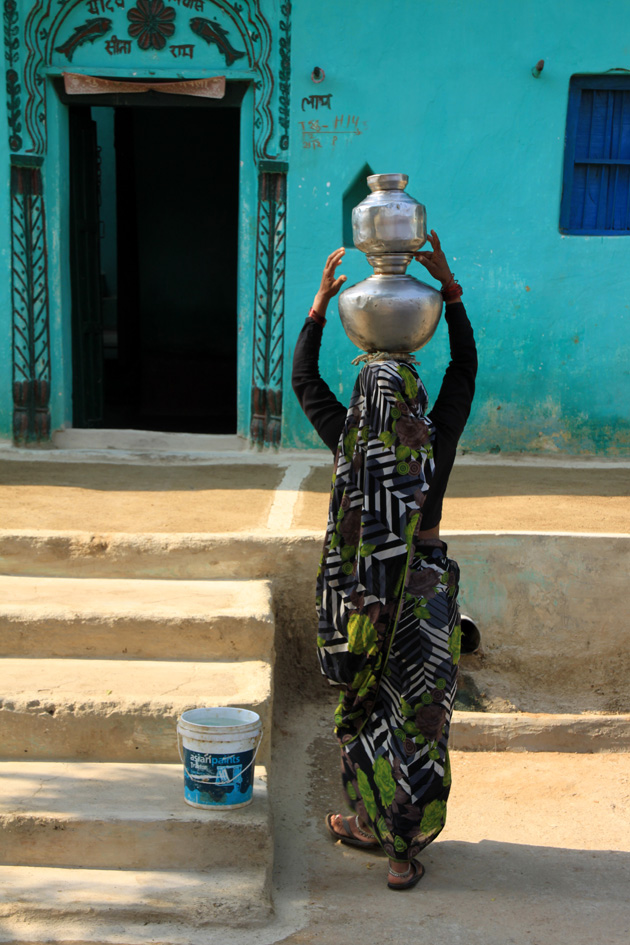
(115, 710)
(96, 841)
(36, 902)
(123, 816)
(159, 556)
(135, 619)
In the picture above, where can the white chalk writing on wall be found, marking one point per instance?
(342, 127)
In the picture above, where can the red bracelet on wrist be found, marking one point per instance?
(317, 318)
(452, 292)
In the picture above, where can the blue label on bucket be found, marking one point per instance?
(216, 780)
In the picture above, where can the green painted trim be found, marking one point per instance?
(27, 160)
(284, 75)
(273, 167)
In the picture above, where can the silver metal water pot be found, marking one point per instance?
(389, 311)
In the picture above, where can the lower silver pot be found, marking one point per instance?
(390, 313)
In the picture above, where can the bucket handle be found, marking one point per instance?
(192, 777)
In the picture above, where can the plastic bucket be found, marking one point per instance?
(218, 747)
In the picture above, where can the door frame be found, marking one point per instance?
(240, 93)
(85, 356)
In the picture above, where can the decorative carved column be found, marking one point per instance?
(266, 424)
(29, 283)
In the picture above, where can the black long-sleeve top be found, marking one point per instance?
(449, 414)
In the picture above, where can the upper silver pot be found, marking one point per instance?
(389, 220)
(390, 311)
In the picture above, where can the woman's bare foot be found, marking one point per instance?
(404, 875)
(350, 830)
(398, 871)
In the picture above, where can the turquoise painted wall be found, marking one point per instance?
(443, 92)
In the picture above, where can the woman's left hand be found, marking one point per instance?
(435, 262)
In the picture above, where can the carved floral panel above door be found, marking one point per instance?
(241, 40)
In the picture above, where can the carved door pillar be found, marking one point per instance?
(266, 424)
(31, 341)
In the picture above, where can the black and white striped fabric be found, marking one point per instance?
(388, 616)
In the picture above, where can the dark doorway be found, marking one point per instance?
(154, 229)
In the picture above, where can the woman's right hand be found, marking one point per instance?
(331, 283)
(435, 262)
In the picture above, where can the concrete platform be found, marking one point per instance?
(135, 619)
(123, 816)
(147, 442)
(116, 710)
(244, 492)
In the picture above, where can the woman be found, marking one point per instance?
(389, 631)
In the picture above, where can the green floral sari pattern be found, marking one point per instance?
(388, 616)
(396, 773)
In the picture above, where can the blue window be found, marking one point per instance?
(596, 186)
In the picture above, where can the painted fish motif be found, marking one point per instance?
(88, 32)
(213, 33)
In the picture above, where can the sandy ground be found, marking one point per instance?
(235, 497)
(509, 497)
(129, 498)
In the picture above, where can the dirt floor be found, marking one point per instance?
(232, 497)
(133, 498)
(511, 498)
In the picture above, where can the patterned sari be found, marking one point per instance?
(389, 629)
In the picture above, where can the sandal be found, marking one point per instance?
(415, 869)
(350, 838)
